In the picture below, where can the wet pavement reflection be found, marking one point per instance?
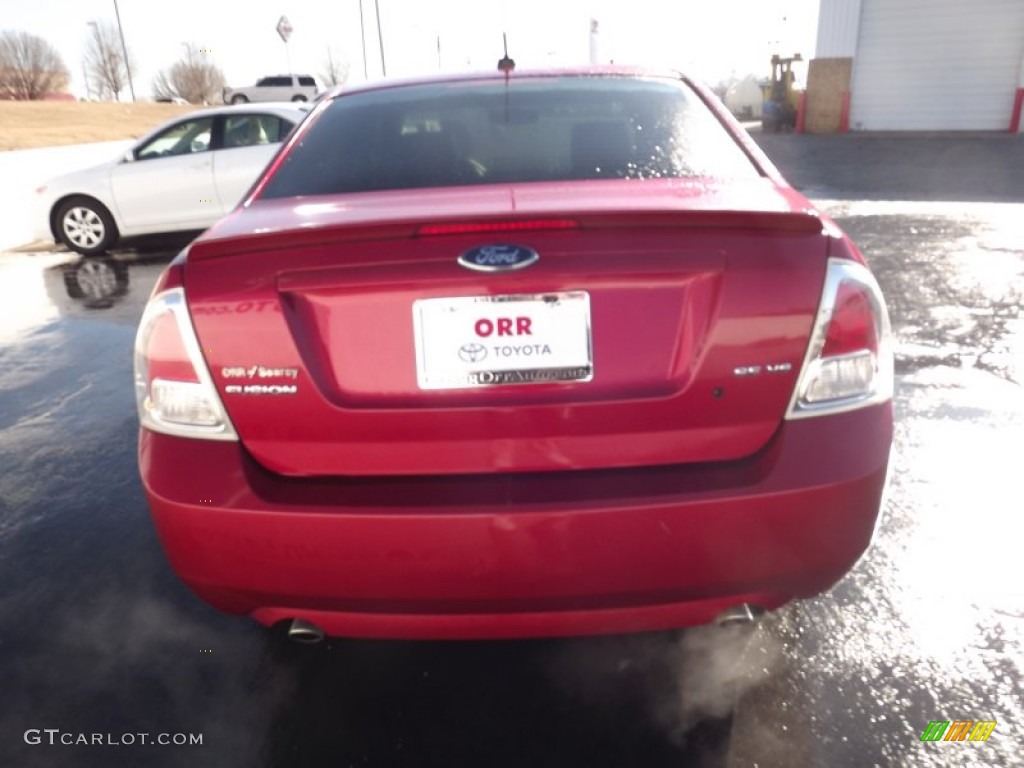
(100, 637)
(930, 625)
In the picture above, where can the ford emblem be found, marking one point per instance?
(498, 258)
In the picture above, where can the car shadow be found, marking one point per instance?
(606, 701)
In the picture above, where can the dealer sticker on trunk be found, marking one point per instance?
(479, 341)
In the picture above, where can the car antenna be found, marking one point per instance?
(505, 64)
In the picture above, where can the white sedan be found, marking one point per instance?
(182, 176)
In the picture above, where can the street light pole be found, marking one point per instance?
(362, 35)
(380, 38)
(124, 49)
(85, 70)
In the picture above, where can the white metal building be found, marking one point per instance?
(928, 64)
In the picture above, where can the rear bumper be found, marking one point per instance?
(40, 211)
(503, 555)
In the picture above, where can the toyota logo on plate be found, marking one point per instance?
(472, 353)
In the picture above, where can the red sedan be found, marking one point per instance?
(515, 355)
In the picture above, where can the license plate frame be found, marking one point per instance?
(469, 342)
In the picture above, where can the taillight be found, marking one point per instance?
(849, 361)
(173, 388)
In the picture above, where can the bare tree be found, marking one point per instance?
(104, 59)
(29, 66)
(335, 69)
(193, 78)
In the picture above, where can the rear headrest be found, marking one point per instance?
(427, 157)
(601, 150)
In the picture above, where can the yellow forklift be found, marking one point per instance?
(778, 112)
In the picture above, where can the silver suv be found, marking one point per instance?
(274, 88)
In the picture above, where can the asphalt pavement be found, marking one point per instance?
(99, 637)
(958, 167)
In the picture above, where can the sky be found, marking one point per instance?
(710, 39)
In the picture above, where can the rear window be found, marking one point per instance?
(252, 130)
(490, 132)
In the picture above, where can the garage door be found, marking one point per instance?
(937, 64)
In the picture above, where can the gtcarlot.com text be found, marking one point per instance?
(57, 737)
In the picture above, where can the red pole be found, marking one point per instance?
(1018, 104)
(801, 112)
(844, 115)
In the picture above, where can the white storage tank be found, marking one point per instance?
(744, 98)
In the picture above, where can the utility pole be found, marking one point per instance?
(124, 49)
(362, 35)
(85, 70)
(380, 39)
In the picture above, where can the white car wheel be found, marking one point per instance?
(85, 226)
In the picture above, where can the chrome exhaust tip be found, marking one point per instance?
(744, 613)
(302, 631)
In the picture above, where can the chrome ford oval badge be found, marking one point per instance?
(498, 258)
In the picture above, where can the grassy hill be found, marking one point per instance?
(27, 124)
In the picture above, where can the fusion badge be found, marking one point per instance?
(260, 380)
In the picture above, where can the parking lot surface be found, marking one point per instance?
(100, 638)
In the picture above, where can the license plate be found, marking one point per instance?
(481, 341)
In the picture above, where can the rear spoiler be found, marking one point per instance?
(806, 223)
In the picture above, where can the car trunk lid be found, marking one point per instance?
(663, 322)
